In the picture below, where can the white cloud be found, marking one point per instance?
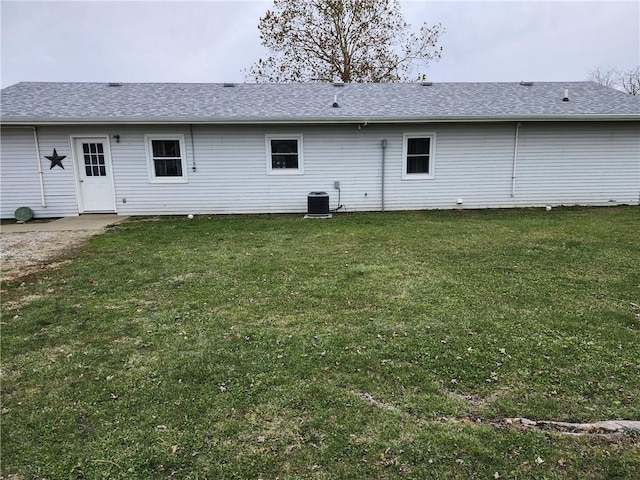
(510, 41)
(213, 41)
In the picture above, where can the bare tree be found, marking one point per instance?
(630, 81)
(627, 80)
(347, 40)
(609, 77)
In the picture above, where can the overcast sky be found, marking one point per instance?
(215, 41)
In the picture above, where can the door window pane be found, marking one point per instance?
(94, 160)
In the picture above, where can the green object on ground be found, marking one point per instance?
(23, 214)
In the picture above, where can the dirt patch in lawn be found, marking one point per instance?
(23, 253)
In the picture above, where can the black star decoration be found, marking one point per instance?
(56, 159)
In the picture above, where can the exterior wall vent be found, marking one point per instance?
(115, 84)
(526, 84)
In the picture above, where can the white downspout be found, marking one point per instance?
(40, 173)
(384, 149)
(515, 161)
(193, 149)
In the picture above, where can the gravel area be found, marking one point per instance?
(22, 253)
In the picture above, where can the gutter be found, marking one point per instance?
(313, 120)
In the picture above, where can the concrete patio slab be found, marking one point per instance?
(82, 222)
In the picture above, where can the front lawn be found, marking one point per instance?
(367, 346)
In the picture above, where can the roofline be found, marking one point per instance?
(313, 120)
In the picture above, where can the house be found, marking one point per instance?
(139, 149)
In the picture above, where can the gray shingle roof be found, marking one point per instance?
(36, 102)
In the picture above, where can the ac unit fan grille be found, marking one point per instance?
(318, 203)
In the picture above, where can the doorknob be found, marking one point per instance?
(81, 180)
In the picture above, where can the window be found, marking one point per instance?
(284, 154)
(417, 156)
(166, 159)
(93, 154)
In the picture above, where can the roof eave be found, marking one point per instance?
(28, 121)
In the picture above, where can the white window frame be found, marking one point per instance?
(151, 168)
(284, 171)
(432, 150)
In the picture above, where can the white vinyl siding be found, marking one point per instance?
(20, 182)
(473, 162)
(578, 164)
(590, 163)
(19, 177)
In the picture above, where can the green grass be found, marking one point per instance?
(367, 346)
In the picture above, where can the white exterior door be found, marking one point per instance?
(93, 160)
